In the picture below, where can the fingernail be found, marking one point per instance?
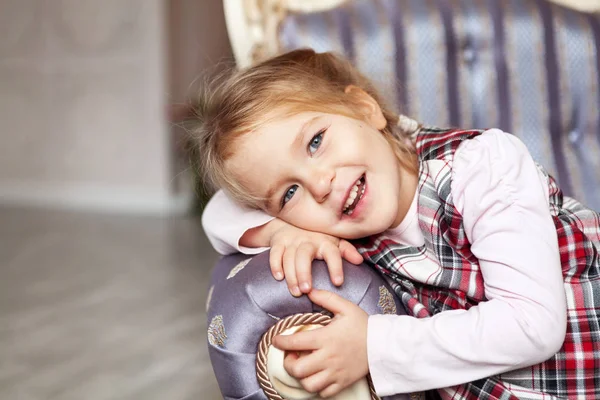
(296, 291)
(338, 280)
(305, 287)
(278, 276)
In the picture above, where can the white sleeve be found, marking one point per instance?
(225, 222)
(503, 199)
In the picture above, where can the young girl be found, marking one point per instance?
(500, 270)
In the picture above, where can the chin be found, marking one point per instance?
(361, 234)
(387, 222)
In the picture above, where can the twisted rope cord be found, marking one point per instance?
(267, 338)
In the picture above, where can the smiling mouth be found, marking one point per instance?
(356, 193)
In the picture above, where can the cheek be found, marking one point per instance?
(307, 215)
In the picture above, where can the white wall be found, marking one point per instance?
(83, 87)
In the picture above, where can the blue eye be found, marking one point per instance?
(289, 194)
(315, 142)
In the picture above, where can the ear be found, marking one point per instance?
(371, 110)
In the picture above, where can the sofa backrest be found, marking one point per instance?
(529, 67)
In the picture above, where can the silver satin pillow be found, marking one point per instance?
(244, 301)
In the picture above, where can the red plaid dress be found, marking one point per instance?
(574, 372)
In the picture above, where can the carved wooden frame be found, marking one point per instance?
(252, 25)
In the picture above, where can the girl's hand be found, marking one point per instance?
(338, 351)
(293, 250)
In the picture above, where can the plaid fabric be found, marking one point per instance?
(458, 284)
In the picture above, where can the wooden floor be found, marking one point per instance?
(103, 307)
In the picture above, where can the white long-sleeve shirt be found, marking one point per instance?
(503, 198)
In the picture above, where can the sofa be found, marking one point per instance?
(529, 67)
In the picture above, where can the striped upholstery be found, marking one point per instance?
(526, 66)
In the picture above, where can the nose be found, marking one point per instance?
(321, 184)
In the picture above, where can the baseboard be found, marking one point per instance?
(94, 198)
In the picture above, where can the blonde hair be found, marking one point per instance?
(298, 81)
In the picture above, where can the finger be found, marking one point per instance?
(303, 366)
(330, 301)
(275, 261)
(331, 255)
(322, 380)
(349, 252)
(331, 390)
(289, 269)
(301, 341)
(304, 257)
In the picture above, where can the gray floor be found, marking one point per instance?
(103, 307)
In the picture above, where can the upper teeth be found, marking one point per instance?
(353, 194)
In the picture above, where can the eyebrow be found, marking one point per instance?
(297, 142)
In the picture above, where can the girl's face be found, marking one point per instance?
(326, 173)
